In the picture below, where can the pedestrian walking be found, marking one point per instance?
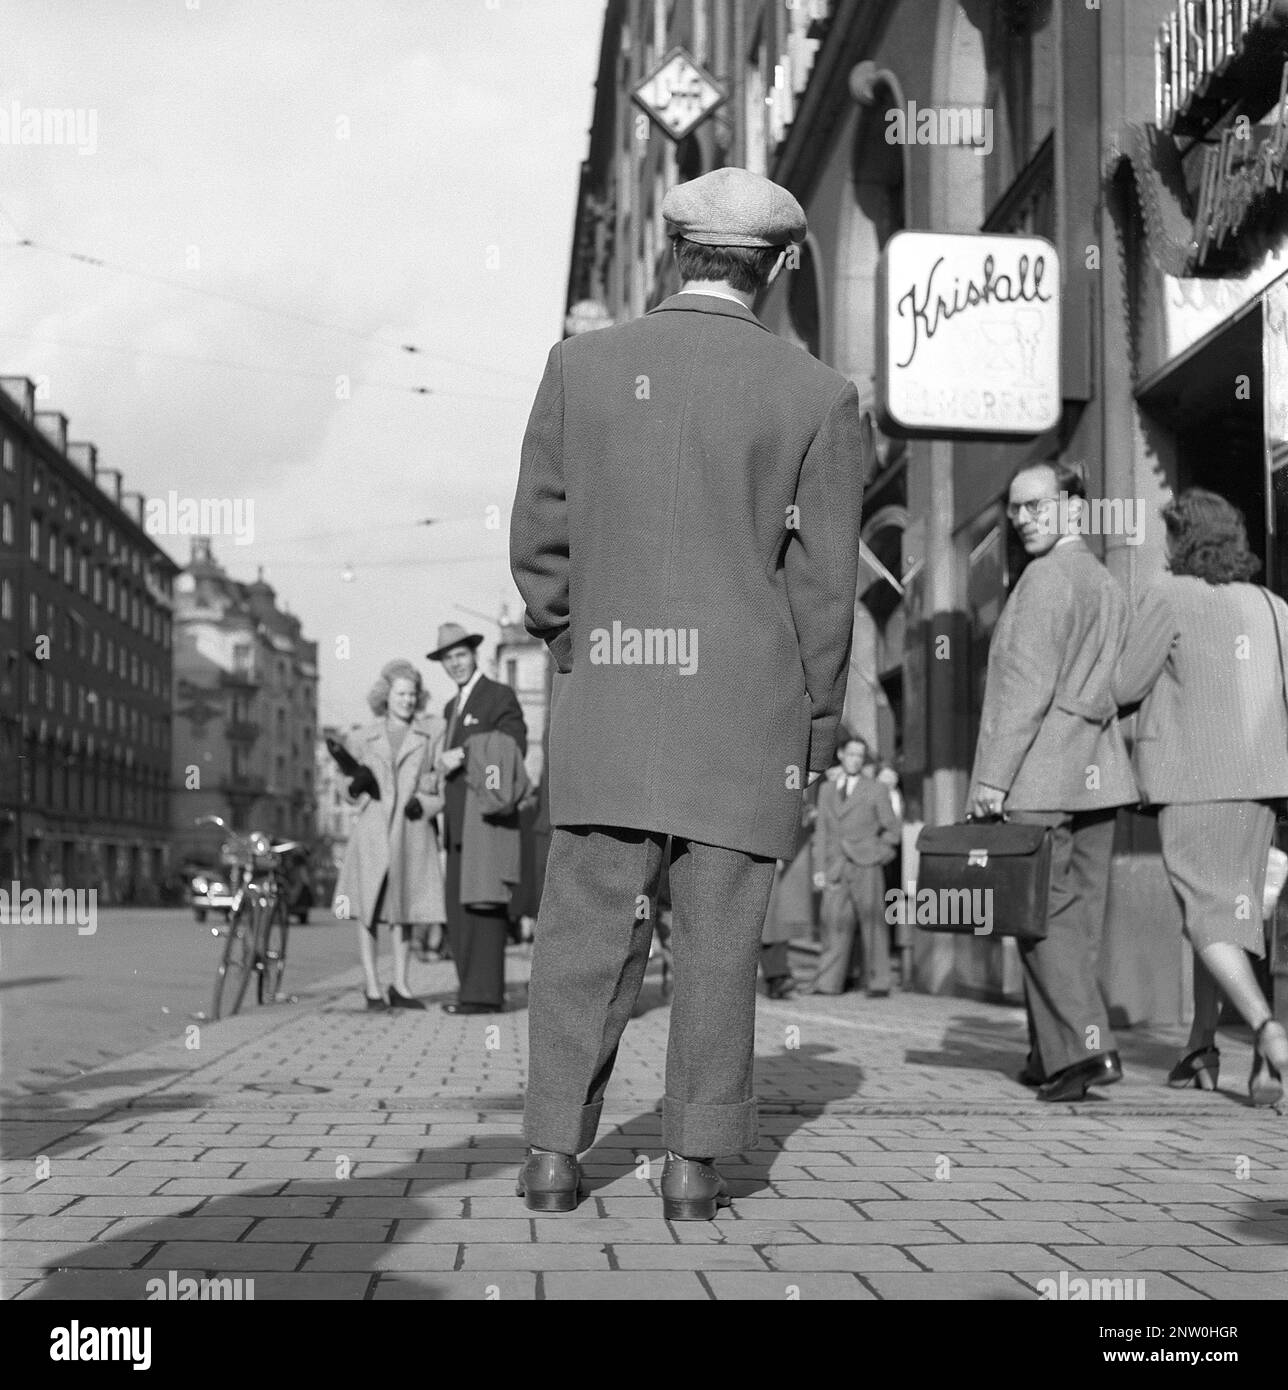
(1050, 752)
(1204, 658)
(685, 536)
(478, 922)
(391, 872)
(856, 835)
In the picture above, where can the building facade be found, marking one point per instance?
(85, 666)
(1148, 150)
(245, 710)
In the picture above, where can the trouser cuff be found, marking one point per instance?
(708, 1131)
(563, 1126)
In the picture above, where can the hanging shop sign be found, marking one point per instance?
(968, 339)
(679, 94)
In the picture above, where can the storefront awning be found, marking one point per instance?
(1160, 186)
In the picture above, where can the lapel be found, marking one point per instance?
(412, 741)
(707, 304)
(377, 745)
(471, 705)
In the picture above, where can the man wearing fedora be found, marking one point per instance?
(685, 536)
(476, 935)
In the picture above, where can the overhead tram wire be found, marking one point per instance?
(264, 368)
(413, 349)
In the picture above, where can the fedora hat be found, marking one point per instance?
(453, 635)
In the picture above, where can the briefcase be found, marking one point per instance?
(985, 878)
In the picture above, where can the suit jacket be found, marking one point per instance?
(1049, 734)
(491, 705)
(860, 830)
(1204, 661)
(690, 475)
(384, 843)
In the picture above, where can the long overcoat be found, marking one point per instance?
(685, 536)
(384, 842)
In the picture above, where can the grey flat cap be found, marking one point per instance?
(733, 207)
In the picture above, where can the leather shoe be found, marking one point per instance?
(1072, 1082)
(456, 1007)
(549, 1182)
(1030, 1074)
(403, 1001)
(692, 1190)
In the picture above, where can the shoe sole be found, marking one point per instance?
(691, 1208)
(550, 1201)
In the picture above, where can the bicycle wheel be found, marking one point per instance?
(237, 963)
(273, 961)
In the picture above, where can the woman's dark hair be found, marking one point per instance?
(746, 268)
(1209, 538)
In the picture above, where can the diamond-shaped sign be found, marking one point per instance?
(678, 94)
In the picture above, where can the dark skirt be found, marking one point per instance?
(1215, 853)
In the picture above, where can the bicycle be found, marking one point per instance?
(258, 925)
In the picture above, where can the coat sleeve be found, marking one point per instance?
(821, 564)
(428, 790)
(510, 720)
(1024, 665)
(1149, 639)
(539, 520)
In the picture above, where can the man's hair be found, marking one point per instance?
(1209, 538)
(746, 268)
(1070, 478)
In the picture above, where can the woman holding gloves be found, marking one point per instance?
(391, 869)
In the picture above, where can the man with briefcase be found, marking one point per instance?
(1050, 754)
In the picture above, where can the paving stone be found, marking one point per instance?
(506, 1285)
(199, 1227)
(305, 1230)
(788, 1287)
(980, 1256)
(973, 1285)
(860, 1258)
(697, 1257)
(352, 1255)
(226, 1257)
(628, 1285)
(120, 1254)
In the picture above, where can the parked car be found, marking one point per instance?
(209, 891)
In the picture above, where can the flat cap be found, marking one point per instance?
(733, 207)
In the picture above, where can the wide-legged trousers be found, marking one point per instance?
(477, 938)
(589, 957)
(1068, 1022)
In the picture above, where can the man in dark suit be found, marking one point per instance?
(475, 934)
(1050, 753)
(856, 835)
(685, 535)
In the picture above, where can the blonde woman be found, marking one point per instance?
(391, 870)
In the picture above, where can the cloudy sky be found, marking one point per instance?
(289, 190)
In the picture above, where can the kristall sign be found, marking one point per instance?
(968, 340)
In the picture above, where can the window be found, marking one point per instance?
(96, 647)
(6, 599)
(84, 575)
(69, 566)
(111, 594)
(6, 523)
(135, 620)
(111, 657)
(53, 553)
(98, 532)
(98, 584)
(67, 697)
(125, 604)
(49, 691)
(33, 613)
(6, 452)
(35, 540)
(33, 686)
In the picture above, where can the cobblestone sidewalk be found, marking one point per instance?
(323, 1151)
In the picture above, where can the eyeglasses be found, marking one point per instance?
(1032, 509)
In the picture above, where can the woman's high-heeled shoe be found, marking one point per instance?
(1265, 1085)
(1200, 1068)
